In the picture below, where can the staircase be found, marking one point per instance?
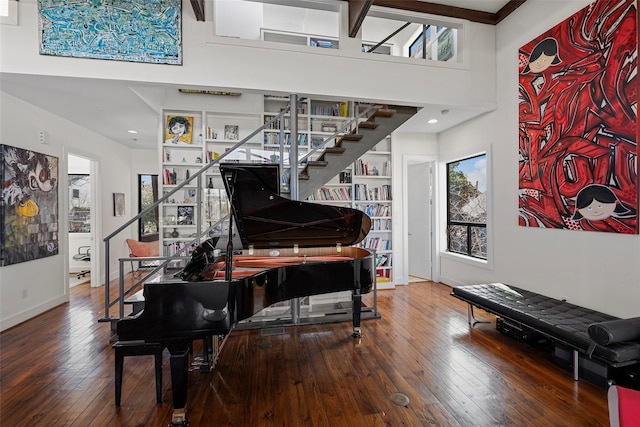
(333, 160)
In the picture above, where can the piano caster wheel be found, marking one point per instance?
(357, 333)
(184, 423)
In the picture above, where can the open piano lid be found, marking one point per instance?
(264, 219)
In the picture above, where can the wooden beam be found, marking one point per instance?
(452, 11)
(358, 10)
(507, 9)
(198, 9)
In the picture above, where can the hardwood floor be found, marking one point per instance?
(58, 368)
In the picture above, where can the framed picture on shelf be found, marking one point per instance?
(178, 130)
(231, 132)
(185, 215)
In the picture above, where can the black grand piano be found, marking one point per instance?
(291, 249)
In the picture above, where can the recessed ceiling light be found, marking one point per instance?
(132, 131)
(432, 121)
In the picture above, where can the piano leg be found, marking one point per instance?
(179, 363)
(356, 308)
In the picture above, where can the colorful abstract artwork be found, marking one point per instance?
(578, 133)
(118, 30)
(29, 214)
(179, 130)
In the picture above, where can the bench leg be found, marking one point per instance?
(576, 365)
(472, 319)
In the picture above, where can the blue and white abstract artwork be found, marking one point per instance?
(122, 30)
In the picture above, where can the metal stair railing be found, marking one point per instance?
(108, 303)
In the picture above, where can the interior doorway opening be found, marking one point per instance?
(82, 231)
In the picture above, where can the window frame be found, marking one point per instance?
(468, 257)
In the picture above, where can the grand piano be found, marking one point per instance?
(291, 249)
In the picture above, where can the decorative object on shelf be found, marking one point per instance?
(29, 213)
(179, 130)
(210, 183)
(175, 233)
(185, 215)
(152, 30)
(118, 204)
(169, 220)
(231, 132)
(329, 127)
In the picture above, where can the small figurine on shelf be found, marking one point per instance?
(175, 233)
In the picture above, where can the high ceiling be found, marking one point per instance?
(111, 108)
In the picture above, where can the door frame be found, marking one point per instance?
(430, 162)
(95, 217)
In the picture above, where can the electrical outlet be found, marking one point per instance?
(42, 137)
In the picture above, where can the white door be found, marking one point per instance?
(419, 219)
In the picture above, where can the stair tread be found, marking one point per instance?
(352, 137)
(368, 124)
(338, 150)
(385, 112)
(317, 163)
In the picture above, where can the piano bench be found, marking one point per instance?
(137, 348)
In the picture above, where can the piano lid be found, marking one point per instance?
(264, 219)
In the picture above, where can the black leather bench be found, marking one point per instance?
(589, 335)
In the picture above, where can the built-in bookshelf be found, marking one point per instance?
(367, 185)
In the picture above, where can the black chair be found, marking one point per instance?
(84, 254)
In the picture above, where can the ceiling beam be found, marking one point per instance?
(198, 9)
(358, 10)
(452, 11)
(507, 9)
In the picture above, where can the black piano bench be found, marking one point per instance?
(137, 348)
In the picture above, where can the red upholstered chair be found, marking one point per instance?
(142, 249)
(624, 407)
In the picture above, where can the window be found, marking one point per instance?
(79, 203)
(467, 207)
(148, 195)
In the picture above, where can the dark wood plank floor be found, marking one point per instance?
(57, 369)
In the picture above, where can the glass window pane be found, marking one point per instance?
(79, 203)
(479, 242)
(466, 206)
(457, 241)
(467, 190)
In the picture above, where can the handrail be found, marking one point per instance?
(147, 210)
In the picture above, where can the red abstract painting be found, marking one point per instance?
(578, 133)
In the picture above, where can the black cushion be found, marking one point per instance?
(615, 331)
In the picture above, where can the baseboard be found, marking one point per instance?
(23, 316)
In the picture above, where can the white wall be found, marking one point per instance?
(45, 280)
(596, 270)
